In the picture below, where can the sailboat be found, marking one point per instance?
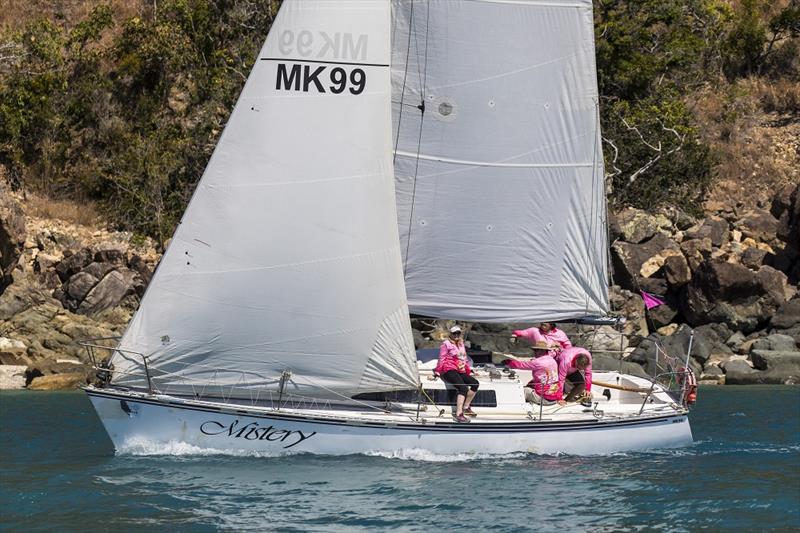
(440, 158)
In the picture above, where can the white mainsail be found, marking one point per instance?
(499, 181)
(288, 256)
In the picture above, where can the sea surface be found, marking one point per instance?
(59, 472)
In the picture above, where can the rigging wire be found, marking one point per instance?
(405, 78)
(419, 137)
(593, 226)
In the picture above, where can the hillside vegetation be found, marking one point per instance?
(120, 103)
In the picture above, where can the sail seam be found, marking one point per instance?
(490, 163)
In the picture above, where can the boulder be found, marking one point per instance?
(110, 252)
(775, 341)
(607, 339)
(787, 316)
(12, 377)
(108, 292)
(738, 372)
(780, 367)
(633, 225)
(12, 235)
(713, 228)
(663, 315)
(712, 375)
(759, 225)
(78, 286)
(73, 263)
(632, 261)
(603, 361)
(696, 251)
(731, 294)
(58, 382)
(754, 258)
(773, 282)
(676, 271)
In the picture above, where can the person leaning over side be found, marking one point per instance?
(575, 366)
(454, 368)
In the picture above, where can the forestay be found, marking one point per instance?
(499, 169)
(288, 257)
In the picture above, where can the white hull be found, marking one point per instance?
(132, 418)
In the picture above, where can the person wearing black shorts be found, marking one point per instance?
(453, 367)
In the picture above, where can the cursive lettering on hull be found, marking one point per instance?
(255, 431)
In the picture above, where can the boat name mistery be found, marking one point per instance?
(254, 431)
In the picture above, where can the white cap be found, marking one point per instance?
(455, 329)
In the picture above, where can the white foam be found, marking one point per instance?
(417, 454)
(145, 447)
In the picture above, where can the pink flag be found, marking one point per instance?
(650, 301)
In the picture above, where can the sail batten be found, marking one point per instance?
(498, 167)
(287, 258)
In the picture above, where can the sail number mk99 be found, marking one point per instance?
(321, 79)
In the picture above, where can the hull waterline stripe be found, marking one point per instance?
(513, 427)
(292, 60)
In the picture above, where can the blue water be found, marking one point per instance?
(58, 472)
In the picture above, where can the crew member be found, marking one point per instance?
(546, 332)
(454, 368)
(544, 388)
(575, 367)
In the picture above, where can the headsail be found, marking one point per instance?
(288, 257)
(499, 168)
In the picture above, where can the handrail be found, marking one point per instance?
(91, 344)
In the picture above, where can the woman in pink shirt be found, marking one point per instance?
(454, 368)
(544, 388)
(575, 366)
(547, 332)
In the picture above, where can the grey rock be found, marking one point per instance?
(787, 316)
(713, 228)
(601, 361)
(759, 225)
(754, 258)
(12, 235)
(79, 285)
(631, 260)
(780, 367)
(696, 251)
(98, 270)
(738, 372)
(108, 292)
(110, 253)
(735, 341)
(731, 294)
(74, 263)
(633, 225)
(676, 270)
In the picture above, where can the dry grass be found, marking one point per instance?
(83, 214)
(753, 127)
(15, 14)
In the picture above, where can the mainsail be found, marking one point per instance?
(498, 164)
(288, 257)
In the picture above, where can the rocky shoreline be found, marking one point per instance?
(730, 278)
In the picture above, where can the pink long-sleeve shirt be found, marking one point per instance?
(554, 336)
(545, 376)
(453, 356)
(566, 366)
